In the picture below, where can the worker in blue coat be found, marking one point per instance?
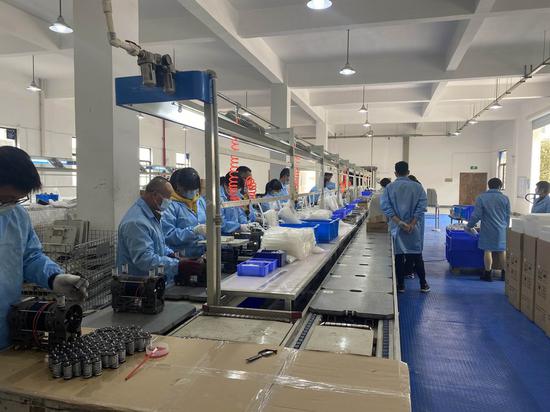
(492, 208)
(542, 201)
(284, 178)
(141, 243)
(184, 222)
(21, 256)
(272, 189)
(234, 219)
(404, 203)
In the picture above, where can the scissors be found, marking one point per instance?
(262, 354)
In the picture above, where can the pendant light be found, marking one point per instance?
(347, 70)
(496, 105)
(140, 116)
(367, 123)
(363, 109)
(33, 87)
(245, 112)
(60, 26)
(473, 120)
(319, 4)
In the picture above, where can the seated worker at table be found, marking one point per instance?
(284, 178)
(245, 173)
(272, 189)
(493, 209)
(20, 250)
(376, 215)
(184, 222)
(234, 219)
(328, 186)
(542, 199)
(141, 243)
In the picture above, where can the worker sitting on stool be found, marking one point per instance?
(542, 201)
(141, 243)
(284, 178)
(404, 203)
(184, 222)
(234, 219)
(493, 209)
(272, 189)
(20, 250)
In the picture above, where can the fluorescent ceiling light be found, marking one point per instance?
(246, 114)
(60, 26)
(319, 4)
(496, 106)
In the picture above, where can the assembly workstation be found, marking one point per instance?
(312, 334)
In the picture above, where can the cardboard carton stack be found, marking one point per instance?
(514, 265)
(542, 286)
(527, 304)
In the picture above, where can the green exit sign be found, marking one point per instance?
(473, 167)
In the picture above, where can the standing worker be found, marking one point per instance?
(141, 243)
(20, 250)
(404, 203)
(184, 222)
(542, 201)
(493, 209)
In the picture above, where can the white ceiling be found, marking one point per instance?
(422, 61)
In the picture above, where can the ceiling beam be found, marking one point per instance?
(437, 92)
(302, 99)
(17, 23)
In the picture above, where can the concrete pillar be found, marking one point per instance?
(321, 134)
(280, 116)
(108, 136)
(406, 148)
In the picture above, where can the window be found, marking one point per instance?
(501, 167)
(145, 160)
(8, 137)
(183, 160)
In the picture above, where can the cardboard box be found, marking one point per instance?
(542, 286)
(528, 276)
(377, 227)
(207, 376)
(514, 296)
(540, 317)
(514, 242)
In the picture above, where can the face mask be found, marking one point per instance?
(189, 194)
(164, 205)
(4, 209)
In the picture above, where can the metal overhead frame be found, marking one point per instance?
(196, 86)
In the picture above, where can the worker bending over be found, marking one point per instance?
(141, 243)
(21, 255)
(273, 189)
(234, 219)
(404, 203)
(542, 199)
(493, 209)
(184, 222)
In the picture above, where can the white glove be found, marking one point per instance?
(245, 227)
(71, 286)
(470, 230)
(200, 230)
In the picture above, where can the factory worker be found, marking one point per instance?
(272, 189)
(245, 173)
(184, 222)
(404, 203)
(141, 243)
(493, 209)
(234, 219)
(20, 250)
(284, 178)
(542, 199)
(329, 185)
(376, 215)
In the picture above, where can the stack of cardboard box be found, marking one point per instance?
(542, 286)
(514, 262)
(527, 304)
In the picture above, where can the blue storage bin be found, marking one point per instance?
(272, 263)
(466, 259)
(278, 255)
(46, 197)
(366, 193)
(461, 250)
(463, 211)
(339, 213)
(329, 228)
(258, 269)
(458, 240)
(314, 226)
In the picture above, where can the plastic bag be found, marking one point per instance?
(271, 219)
(296, 242)
(330, 202)
(288, 215)
(320, 214)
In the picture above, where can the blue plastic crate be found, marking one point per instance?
(459, 240)
(366, 193)
(46, 197)
(339, 213)
(463, 211)
(329, 228)
(305, 225)
(349, 208)
(272, 262)
(466, 259)
(278, 255)
(258, 269)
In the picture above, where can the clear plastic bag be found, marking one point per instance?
(296, 242)
(271, 218)
(288, 215)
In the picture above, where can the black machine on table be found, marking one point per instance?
(141, 294)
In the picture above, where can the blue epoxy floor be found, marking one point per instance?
(467, 348)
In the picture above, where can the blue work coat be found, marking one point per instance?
(21, 259)
(178, 222)
(493, 209)
(141, 243)
(541, 205)
(406, 200)
(268, 205)
(284, 192)
(315, 189)
(232, 217)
